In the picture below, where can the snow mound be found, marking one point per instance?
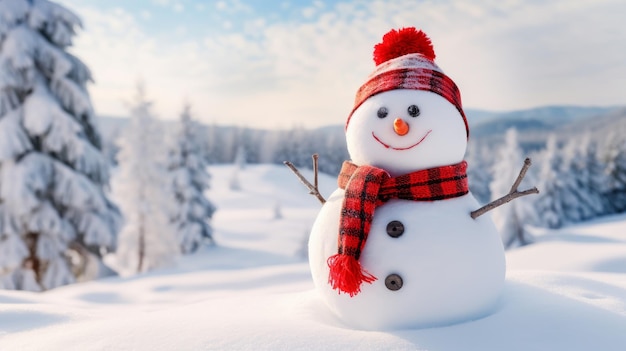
(254, 291)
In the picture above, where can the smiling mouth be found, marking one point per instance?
(400, 148)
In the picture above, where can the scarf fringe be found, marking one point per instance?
(347, 275)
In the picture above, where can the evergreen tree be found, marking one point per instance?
(269, 147)
(511, 218)
(190, 181)
(294, 146)
(211, 145)
(581, 200)
(249, 145)
(548, 204)
(278, 213)
(141, 186)
(595, 177)
(478, 173)
(241, 157)
(616, 171)
(332, 150)
(229, 139)
(233, 183)
(53, 173)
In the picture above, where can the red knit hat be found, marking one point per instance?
(405, 60)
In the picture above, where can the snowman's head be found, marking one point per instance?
(408, 114)
(405, 130)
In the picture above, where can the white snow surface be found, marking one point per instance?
(254, 291)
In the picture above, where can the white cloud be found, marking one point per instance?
(309, 12)
(232, 6)
(146, 14)
(119, 53)
(503, 55)
(177, 6)
(162, 2)
(181, 30)
(254, 27)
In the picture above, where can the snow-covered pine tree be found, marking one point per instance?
(598, 177)
(142, 188)
(190, 180)
(580, 198)
(278, 213)
(548, 204)
(613, 154)
(332, 150)
(294, 145)
(478, 173)
(270, 145)
(211, 146)
(233, 183)
(53, 173)
(251, 141)
(241, 157)
(511, 218)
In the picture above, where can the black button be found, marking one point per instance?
(393, 282)
(395, 229)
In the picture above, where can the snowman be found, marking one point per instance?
(394, 246)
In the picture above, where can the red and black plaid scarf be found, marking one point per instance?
(367, 187)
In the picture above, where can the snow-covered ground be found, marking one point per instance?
(254, 291)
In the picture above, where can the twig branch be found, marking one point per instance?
(315, 169)
(313, 190)
(513, 193)
(522, 174)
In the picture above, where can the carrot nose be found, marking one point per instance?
(400, 126)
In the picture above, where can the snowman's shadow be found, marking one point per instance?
(316, 310)
(530, 318)
(525, 318)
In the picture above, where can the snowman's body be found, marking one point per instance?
(452, 267)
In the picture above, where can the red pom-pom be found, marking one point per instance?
(401, 42)
(347, 275)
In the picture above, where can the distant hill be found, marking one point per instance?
(541, 119)
(603, 123)
(533, 124)
(476, 117)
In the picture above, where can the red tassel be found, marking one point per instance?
(347, 275)
(397, 43)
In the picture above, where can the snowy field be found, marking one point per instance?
(254, 291)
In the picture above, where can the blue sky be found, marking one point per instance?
(276, 64)
(173, 20)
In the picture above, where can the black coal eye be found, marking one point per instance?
(413, 111)
(382, 112)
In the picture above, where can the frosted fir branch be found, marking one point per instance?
(72, 97)
(512, 195)
(313, 189)
(13, 140)
(80, 73)
(56, 21)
